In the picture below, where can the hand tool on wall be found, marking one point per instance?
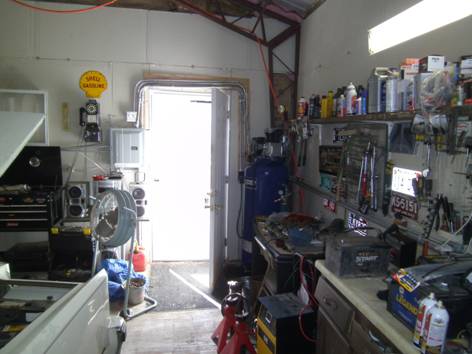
(387, 187)
(433, 215)
(373, 180)
(427, 171)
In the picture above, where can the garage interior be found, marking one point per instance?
(235, 176)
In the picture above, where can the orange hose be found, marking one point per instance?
(76, 11)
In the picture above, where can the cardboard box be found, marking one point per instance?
(432, 63)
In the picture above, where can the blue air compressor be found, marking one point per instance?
(265, 182)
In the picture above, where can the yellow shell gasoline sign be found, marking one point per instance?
(93, 83)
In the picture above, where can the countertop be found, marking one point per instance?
(362, 294)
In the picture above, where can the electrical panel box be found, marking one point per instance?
(127, 148)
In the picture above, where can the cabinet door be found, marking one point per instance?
(330, 340)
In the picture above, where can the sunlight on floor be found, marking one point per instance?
(202, 278)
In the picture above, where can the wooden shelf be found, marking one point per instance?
(374, 117)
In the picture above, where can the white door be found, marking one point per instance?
(180, 152)
(219, 173)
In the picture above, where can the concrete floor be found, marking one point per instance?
(183, 332)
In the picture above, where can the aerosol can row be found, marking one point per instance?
(425, 305)
(435, 329)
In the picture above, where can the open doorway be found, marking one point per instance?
(188, 146)
(195, 143)
(180, 148)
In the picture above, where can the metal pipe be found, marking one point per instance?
(230, 85)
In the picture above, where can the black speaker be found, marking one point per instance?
(138, 191)
(77, 200)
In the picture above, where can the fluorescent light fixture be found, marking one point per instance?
(424, 17)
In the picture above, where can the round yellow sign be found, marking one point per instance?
(93, 83)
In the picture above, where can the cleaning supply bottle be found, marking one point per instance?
(311, 107)
(330, 99)
(351, 96)
(340, 112)
(435, 330)
(425, 305)
(317, 111)
(324, 107)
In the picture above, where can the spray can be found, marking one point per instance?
(311, 107)
(425, 305)
(351, 96)
(391, 95)
(324, 107)
(435, 329)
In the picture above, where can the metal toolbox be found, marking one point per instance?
(357, 256)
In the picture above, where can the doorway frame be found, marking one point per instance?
(241, 86)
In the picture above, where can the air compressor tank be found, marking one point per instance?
(265, 181)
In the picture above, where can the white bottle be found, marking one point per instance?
(341, 102)
(351, 95)
(435, 330)
(423, 309)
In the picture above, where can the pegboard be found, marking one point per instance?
(359, 146)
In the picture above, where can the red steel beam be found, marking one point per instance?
(218, 19)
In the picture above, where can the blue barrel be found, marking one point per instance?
(264, 180)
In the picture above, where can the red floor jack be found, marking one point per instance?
(232, 334)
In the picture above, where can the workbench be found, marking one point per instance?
(351, 307)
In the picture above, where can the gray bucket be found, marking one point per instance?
(136, 291)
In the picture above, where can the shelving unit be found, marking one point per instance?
(374, 117)
(390, 117)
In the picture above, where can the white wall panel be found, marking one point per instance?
(106, 35)
(15, 31)
(182, 39)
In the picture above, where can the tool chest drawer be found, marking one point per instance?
(365, 339)
(329, 339)
(339, 310)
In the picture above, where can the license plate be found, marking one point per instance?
(405, 206)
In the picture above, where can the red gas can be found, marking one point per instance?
(139, 260)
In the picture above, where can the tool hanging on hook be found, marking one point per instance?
(368, 179)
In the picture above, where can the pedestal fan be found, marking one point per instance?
(113, 221)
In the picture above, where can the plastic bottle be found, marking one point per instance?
(311, 107)
(364, 102)
(340, 111)
(425, 305)
(351, 96)
(435, 330)
(301, 107)
(317, 112)
(330, 99)
(324, 107)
